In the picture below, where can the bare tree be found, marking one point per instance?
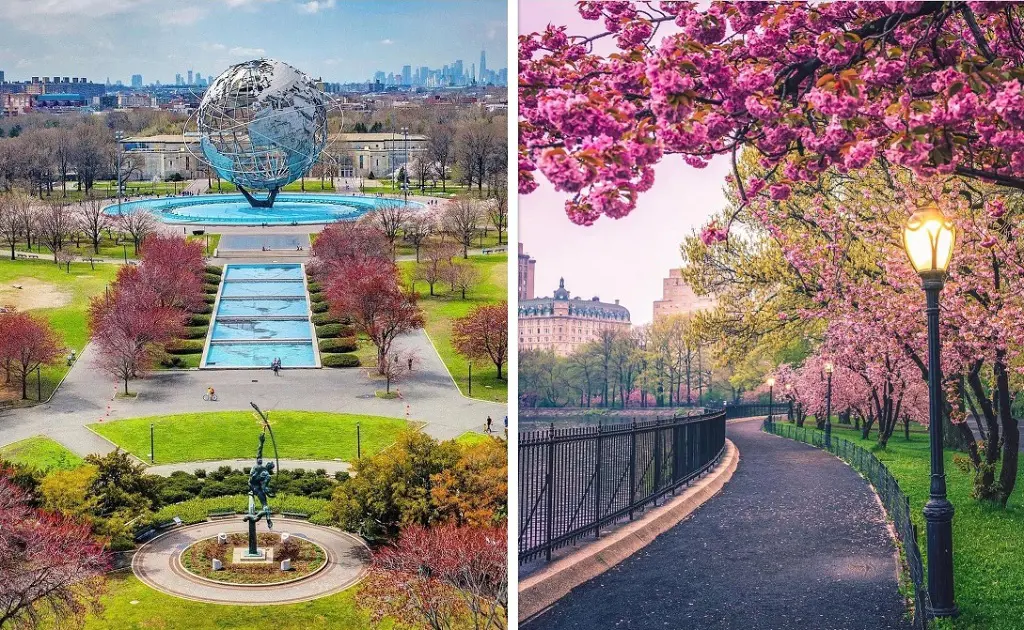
(461, 218)
(436, 259)
(497, 208)
(441, 148)
(138, 225)
(90, 152)
(476, 141)
(418, 229)
(131, 163)
(389, 217)
(462, 276)
(92, 221)
(13, 209)
(421, 168)
(62, 155)
(57, 224)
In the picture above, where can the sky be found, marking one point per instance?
(624, 259)
(338, 40)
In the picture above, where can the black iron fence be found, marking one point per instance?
(574, 481)
(754, 410)
(896, 503)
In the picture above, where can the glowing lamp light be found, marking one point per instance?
(771, 381)
(829, 368)
(928, 238)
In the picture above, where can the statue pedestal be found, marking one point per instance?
(264, 555)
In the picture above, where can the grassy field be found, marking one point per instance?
(228, 435)
(214, 241)
(131, 605)
(472, 437)
(68, 294)
(41, 453)
(986, 539)
(442, 309)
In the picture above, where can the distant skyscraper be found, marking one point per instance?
(190, 78)
(136, 81)
(458, 73)
(527, 268)
(406, 75)
(177, 79)
(678, 298)
(483, 66)
(1, 76)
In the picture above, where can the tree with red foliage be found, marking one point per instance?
(48, 563)
(174, 268)
(441, 575)
(483, 333)
(25, 344)
(130, 323)
(367, 291)
(346, 242)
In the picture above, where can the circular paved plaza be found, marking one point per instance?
(157, 564)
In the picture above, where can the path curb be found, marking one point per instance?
(544, 588)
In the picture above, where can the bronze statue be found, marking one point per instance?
(259, 488)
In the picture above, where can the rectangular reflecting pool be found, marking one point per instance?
(262, 313)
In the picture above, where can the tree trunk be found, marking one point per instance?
(1011, 436)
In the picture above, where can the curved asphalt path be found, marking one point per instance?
(796, 540)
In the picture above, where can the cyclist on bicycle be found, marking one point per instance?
(210, 393)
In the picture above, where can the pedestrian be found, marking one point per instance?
(410, 364)
(488, 424)
(506, 427)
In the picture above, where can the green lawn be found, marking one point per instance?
(131, 605)
(70, 319)
(214, 241)
(41, 453)
(441, 310)
(987, 563)
(229, 435)
(472, 437)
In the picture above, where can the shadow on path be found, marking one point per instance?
(796, 540)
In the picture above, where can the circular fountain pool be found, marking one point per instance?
(289, 209)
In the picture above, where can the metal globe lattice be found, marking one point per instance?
(262, 125)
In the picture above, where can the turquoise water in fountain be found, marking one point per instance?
(288, 209)
(263, 313)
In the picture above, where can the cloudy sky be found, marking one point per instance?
(340, 40)
(622, 259)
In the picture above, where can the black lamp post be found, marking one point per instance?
(771, 396)
(828, 406)
(928, 239)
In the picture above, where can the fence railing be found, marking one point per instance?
(895, 501)
(574, 481)
(754, 410)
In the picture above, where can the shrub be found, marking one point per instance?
(344, 344)
(211, 279)
(339, 360)
(209, 299)
(185, 346)
(320, 307)
(196, 332)
(314, 286)
(169, 361)
(211, 289)
(205, 309)
(214, 270)
(321, 319)
(317, 298)
(199, 320)
(329, 331)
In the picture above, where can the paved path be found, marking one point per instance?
(429, 396)
(165, 470)
(796, 540)
(157, 564)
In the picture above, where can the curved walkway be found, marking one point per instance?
(796, 540)
(156, 564)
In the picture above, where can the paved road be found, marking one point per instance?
(87, 396)
(796, 540)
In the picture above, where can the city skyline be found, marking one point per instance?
(342, 42)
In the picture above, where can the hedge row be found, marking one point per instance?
(317, 298)
(197, 510)
(343, 344)
(330, 331)
(214, 270)
(211, 288)
(196, 332)
(211, 279)
(321, 319)
(320, 307)
(339, 360)
(185, 346)
(209, 299)
(205, 309)
(199, 320)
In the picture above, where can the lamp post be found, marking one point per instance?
(789, 399)
(771, 395)
(405, 182)
(828, 406)
(928, 239)
(118, 136)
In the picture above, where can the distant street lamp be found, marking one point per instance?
(928, 238)
(405, 169)
(828, 406)
(118, 136)
(771, 395)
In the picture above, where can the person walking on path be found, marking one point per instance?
(488, 424)
(410, 364)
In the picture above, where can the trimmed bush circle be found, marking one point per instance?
(343, 344)
(339, 360)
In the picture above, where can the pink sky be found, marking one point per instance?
(622, 259)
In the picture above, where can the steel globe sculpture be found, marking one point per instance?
(262, 125)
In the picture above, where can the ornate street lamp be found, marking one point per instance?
(828, 406)
(771, 394)
(928, 239)
(789, 399)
